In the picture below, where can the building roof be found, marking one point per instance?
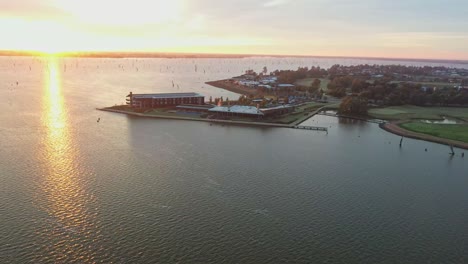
(286, 85)
(279, 107)
(166, 95)
(249, 82)
(269, 77)
(238, 109)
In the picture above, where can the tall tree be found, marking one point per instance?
(354, 105)
(316, 84)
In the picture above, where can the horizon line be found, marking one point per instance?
(171, 55)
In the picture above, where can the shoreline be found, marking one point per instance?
(394, 128)
(220, 121)
(389, 126)
(203, 55)
(397, 130)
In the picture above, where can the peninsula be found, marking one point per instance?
(244, 111)
(428, 103)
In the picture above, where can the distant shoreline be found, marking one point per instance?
(173, 55)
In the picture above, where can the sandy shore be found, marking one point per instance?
(396, 129)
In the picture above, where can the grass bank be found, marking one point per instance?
(308, 82)
(406, 112)
(453, 132)
(439, 85)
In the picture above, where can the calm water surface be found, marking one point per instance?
(135, 190)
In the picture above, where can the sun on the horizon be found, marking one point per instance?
(94, 26)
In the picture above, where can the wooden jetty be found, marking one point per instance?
(311, 128)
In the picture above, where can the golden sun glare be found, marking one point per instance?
(123, 12)
(92, 26)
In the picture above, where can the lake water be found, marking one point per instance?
(136, 190)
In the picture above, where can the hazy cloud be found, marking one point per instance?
(29, 9)
(275, 3)
(317, 27)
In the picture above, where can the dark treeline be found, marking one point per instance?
(392, 70)
(390, 85)
(385, 91)
(289, 76)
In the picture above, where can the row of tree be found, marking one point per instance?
(387, 92)
(290, 76)
(219, 100)
(390, 70)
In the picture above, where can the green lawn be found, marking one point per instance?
(416, 112)
(309, 107)
(455, 132)
(308, 81)
(432, 84)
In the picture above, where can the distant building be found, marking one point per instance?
(237, 78)
(164, 99)
(464, 84)
(428, 89)
(237, 110)
(284, 85)
(248, 83)
(278, 110)
(249, 77)
(251, 111)
(269, 79)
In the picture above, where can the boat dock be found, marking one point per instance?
(311, 128)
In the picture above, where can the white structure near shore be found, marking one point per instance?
(241, 110)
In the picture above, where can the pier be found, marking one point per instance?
(311, 128)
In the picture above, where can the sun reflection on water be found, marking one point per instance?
(69, 225)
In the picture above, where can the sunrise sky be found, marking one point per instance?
(373, 28)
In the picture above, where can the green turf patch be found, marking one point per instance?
(416, 112)
(454, 132)
(308, 81)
